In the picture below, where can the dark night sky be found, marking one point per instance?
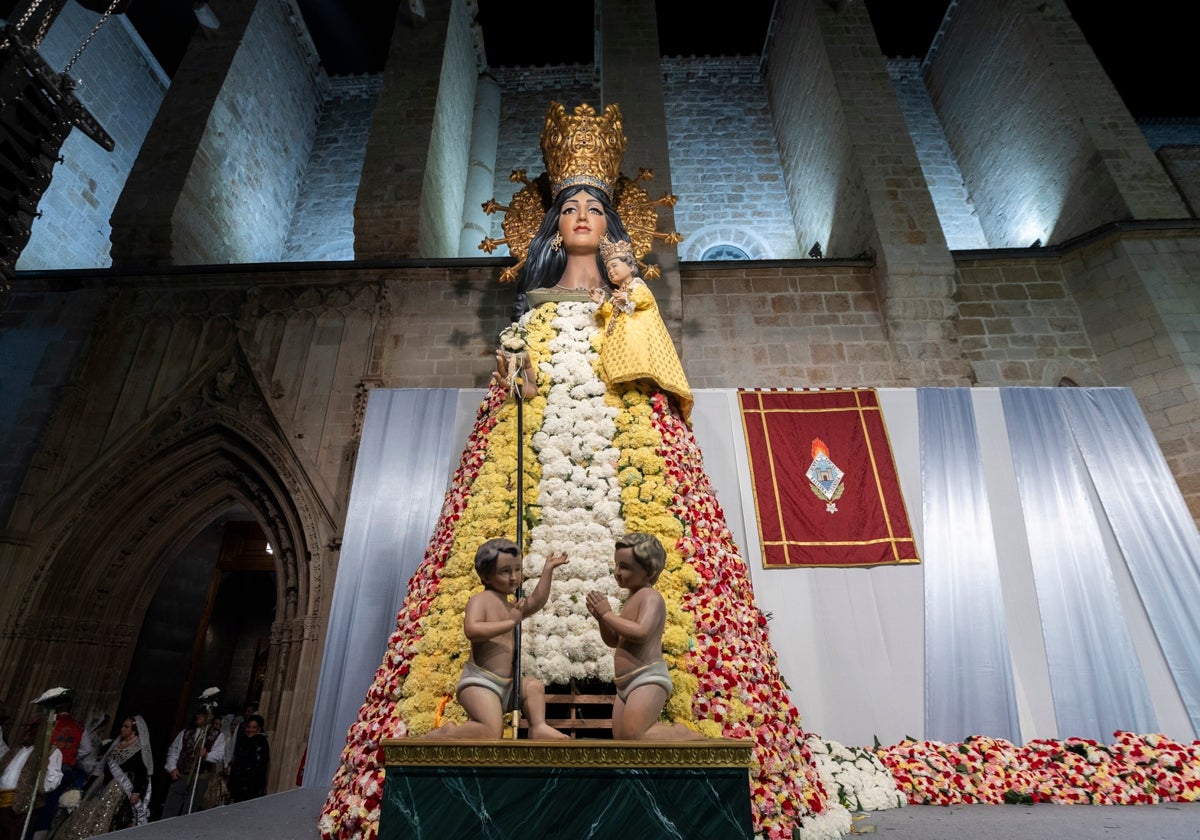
(1148, 56)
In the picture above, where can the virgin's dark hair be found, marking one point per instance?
(543, 265)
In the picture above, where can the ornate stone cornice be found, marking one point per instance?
(76, 631)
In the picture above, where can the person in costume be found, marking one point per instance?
(192, 758)
(485, 688)
(600, 459)
(636, 346)
(19, 769)
(118, 792)
(76, 745)
(251, 759)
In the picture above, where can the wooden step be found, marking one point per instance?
(579, 710)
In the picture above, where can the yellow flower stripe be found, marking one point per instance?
(490, 512)
(645, 501)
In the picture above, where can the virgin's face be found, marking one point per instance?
(582, 223)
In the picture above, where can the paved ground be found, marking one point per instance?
(1036, 822)
(293, 816)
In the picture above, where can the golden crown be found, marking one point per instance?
(619, 248)
(583, 148)
(580, 148)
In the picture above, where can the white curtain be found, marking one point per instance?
(1095, 675)
(1151, 522)
(969, 685)
(408, 448)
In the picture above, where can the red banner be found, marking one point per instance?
(825, 484)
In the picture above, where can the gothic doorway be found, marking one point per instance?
(208, 624)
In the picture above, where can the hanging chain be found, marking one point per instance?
(103, 19)
(20, 24)
(44, 26)
(28, 14)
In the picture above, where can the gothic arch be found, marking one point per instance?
(1056, 371)
(78, 620)
(755, 247)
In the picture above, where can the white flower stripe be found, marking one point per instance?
(581, 507)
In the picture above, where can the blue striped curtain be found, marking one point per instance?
(1150, 521)
(969, 686)
(1095, 676)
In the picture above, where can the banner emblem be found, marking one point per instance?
(824, 477)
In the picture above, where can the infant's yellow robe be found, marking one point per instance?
(639, 347)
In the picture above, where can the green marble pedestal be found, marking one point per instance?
(453, 790)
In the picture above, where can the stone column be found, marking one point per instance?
(414, 175)
(853, 176)
(631, 76)
(481, 175)
(141, 220)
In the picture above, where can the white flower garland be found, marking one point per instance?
(856, 776)
(581, 507)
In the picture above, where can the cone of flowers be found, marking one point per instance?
(599, 462)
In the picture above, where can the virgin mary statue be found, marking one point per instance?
(599, 460)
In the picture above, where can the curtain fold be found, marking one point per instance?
(1150, 521)
(969, 686)
(400, 479)
(1096, 679)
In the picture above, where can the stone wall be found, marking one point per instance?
(1028, 162)
(1018, 323)
(41, 337)
(1137, 295)
(236, 205)
(724, 163)
(955, 210)
(122, 87)
(322, 225)
(783, 325)
(1163, 131)
(828, 198)
(1182, 164)
(525, 94)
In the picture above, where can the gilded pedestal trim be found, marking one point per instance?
(405, 752)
